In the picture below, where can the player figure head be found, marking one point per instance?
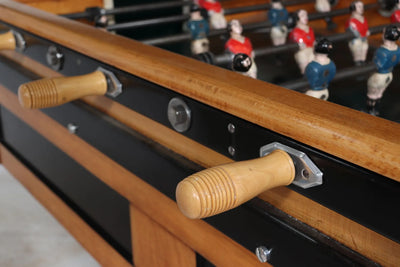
(241, 62)
(357, 7)
(302, 17)
(391, 33)
(276, 4)
(234, 27)
(323, 46)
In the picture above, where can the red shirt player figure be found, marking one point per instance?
(215, 12)
(303, 35)
(237, 43)
(395, 17)
(358, 25)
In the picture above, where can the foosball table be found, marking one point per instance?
(150, 155)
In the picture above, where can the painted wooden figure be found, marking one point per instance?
(321, 70)
(241, 63)
(386, 57)
(199, 29)
(323, 6)
(304, 36)
(238, 43)
(278, 17)
(395, 17)
(358, 25)
(215, 13)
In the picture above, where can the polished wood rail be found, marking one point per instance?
(225, 187)
(207, 241)
(62, 6)
(367, 141)
(335, 225)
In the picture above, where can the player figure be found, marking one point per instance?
(358, 25)
(304, 36)
(321, 70)
(199, 29)
(395, 17)
(386, 57)
(278, 16)
(237, 43)
(323, 6)
(215, 12)
(242, 63)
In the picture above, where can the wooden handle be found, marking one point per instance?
(7, 41)
(224, 187)
(57, 91)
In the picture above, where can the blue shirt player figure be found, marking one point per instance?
(199, 29)
(278, 17)
(321, 70)
(386, 57)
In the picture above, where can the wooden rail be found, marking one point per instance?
(367, 141)
(342, 229)
(196, 234)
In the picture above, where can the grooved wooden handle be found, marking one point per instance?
(224, 187)
(57, 91)
(7, 41)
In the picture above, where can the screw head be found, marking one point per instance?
(179, 114)
(55, 58)
(231, 150)
(263, 253)
(231, 128)
(72, 128)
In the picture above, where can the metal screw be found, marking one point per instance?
(231, 128)
(179, 114)
(55, 58)
(231, 150)
(305, 174)
(72, 128)
(263, 253)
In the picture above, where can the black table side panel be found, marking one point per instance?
(104, 209)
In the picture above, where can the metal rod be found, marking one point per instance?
(223, 59)
(264, 26)
(80, 15)
(147, 7)
(129, 9)
(147, 22)
(156, 6)
(340, 75)
(251, 8)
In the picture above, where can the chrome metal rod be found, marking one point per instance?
(164, 5)
(147, 22)
(223, 59)
(340, 75)
(129, 9)
(264, 26)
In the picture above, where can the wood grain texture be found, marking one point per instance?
(154, 246)
(207, 241)
(7, 41)
(51, 92)
(83, 233)
(224, 187)
(362, 139)
(310, 212)
(62, 6)
(357, 237)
